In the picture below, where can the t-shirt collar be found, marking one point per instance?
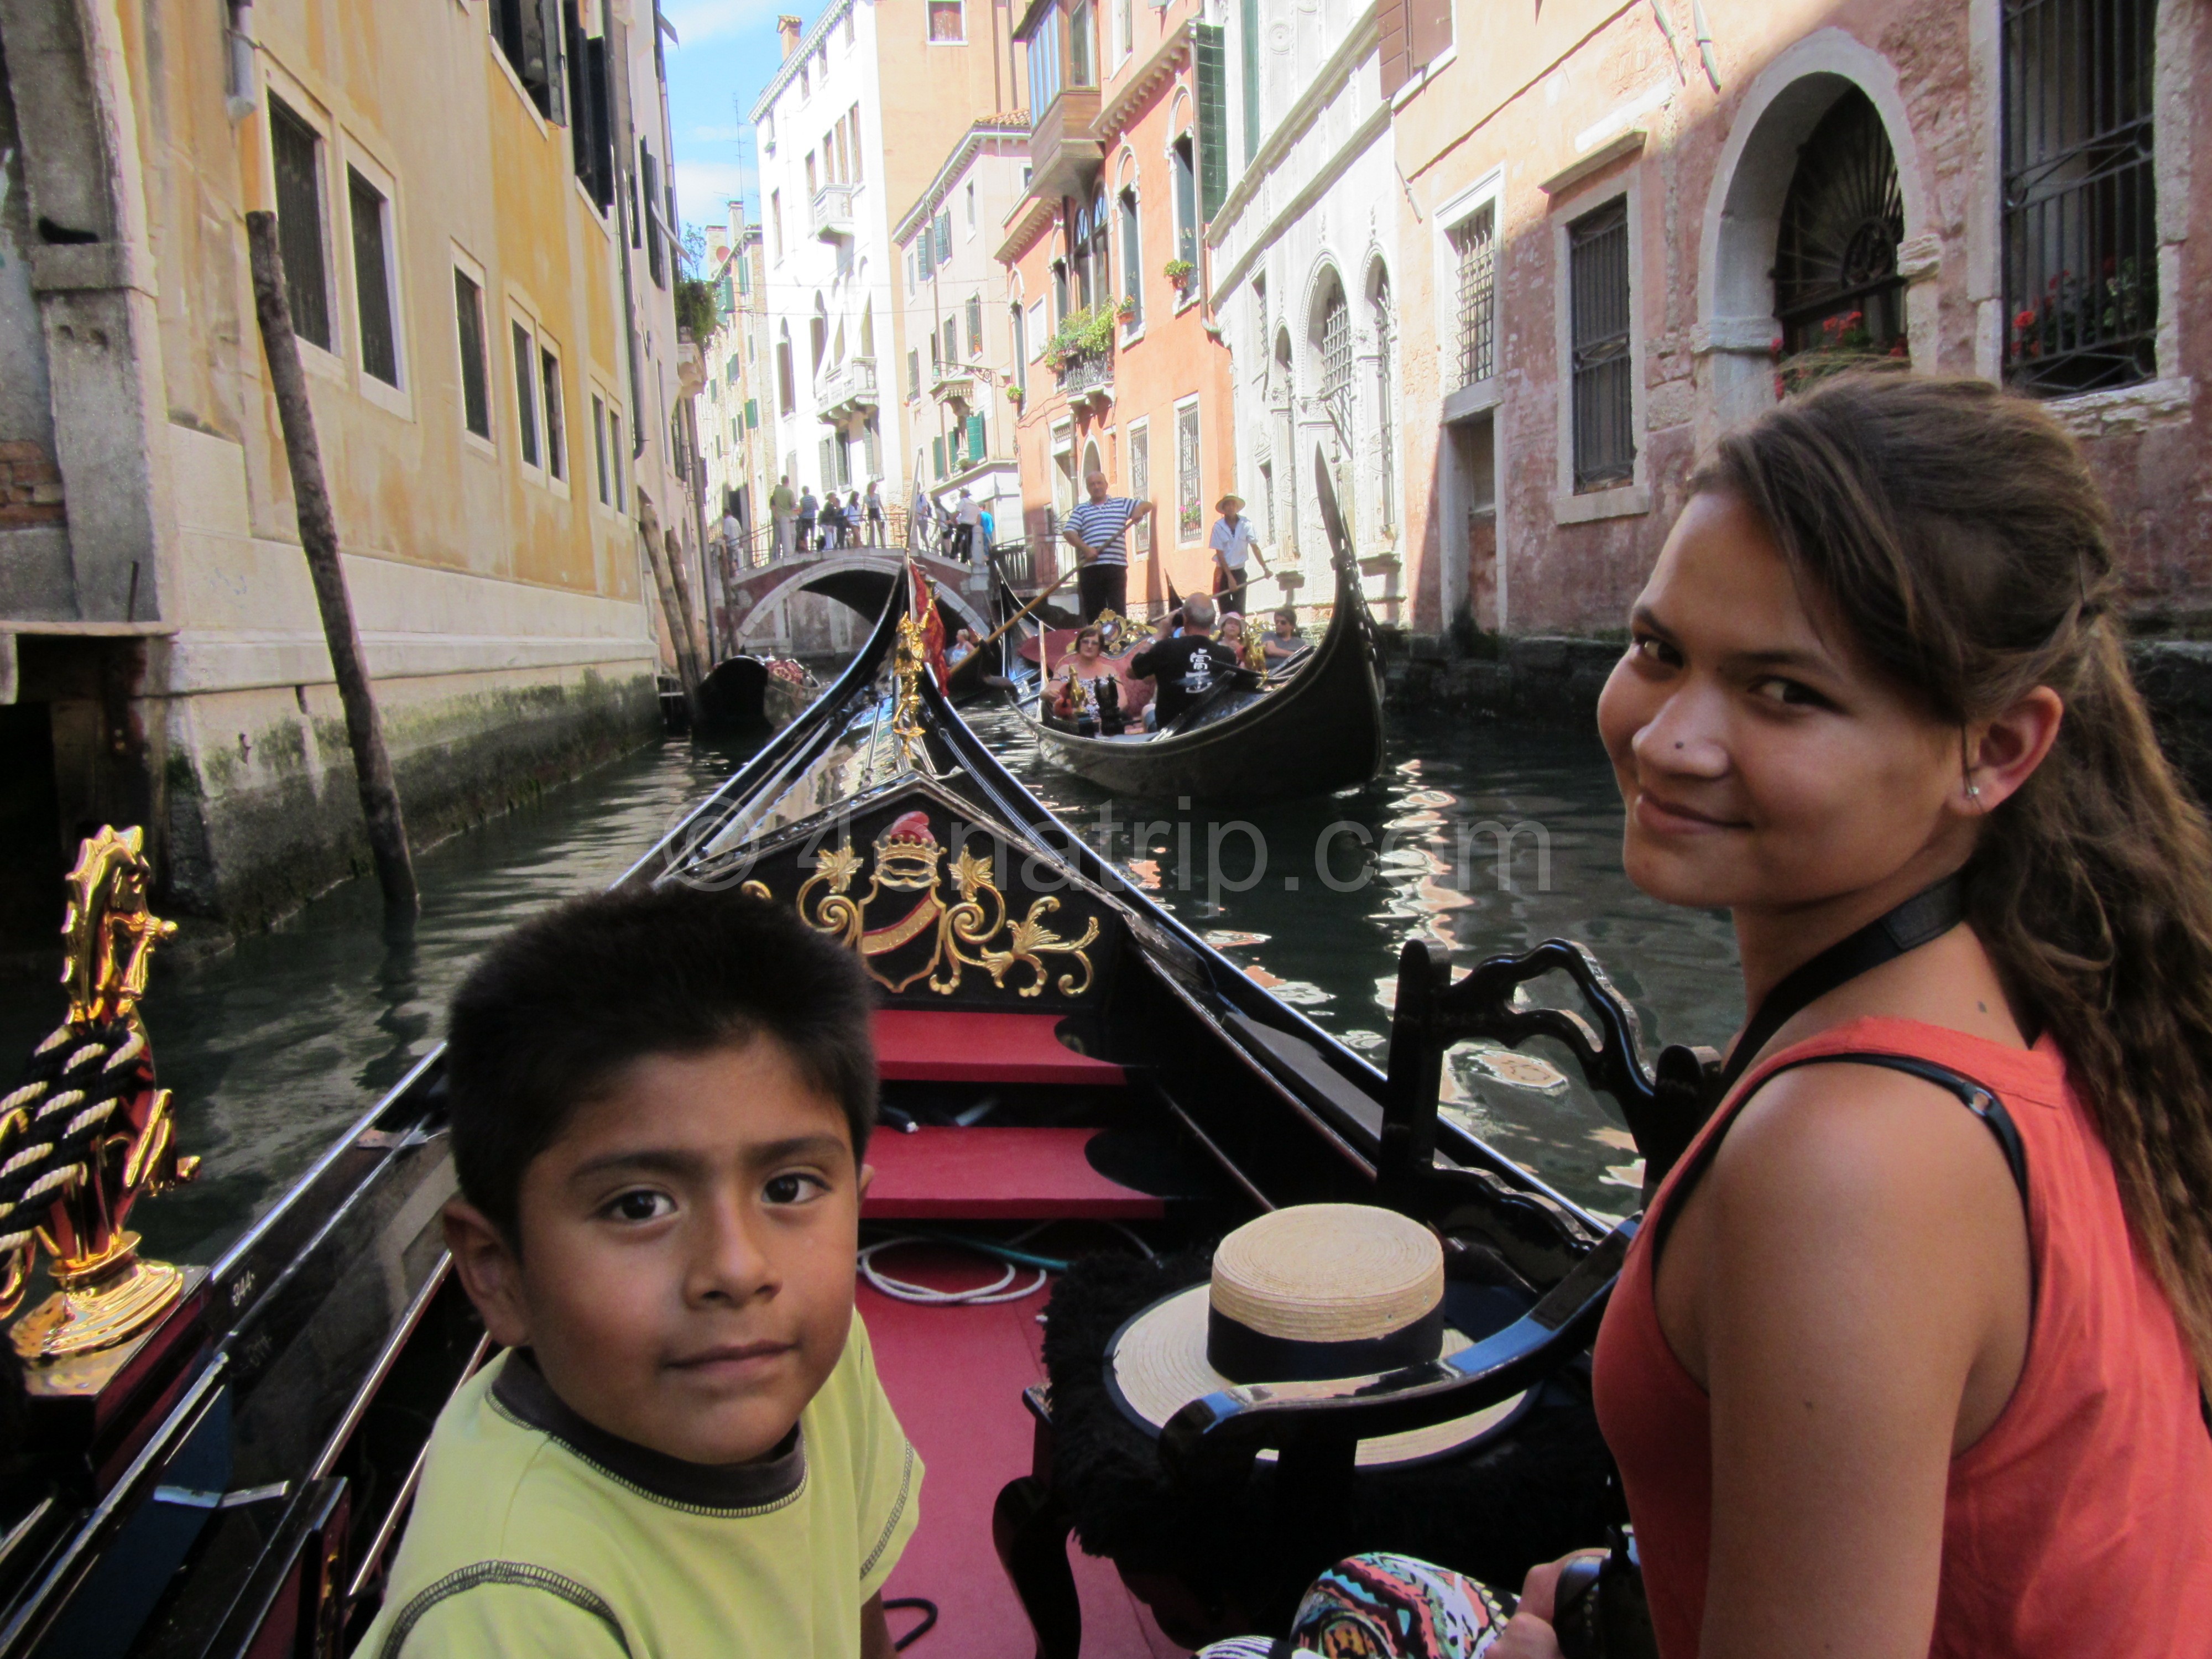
(522, 1389)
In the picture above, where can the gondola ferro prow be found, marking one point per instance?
(87, 1133)
(1664, 1105)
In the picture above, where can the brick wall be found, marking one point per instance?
(30, 485)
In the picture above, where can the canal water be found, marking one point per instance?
(1479, 836)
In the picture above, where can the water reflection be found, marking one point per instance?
(1484, 838)
(273, 1046)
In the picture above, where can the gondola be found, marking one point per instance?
(1317, 727)
(744, 692)
(1070, 1077)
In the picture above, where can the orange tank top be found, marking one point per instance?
(2082, 1520)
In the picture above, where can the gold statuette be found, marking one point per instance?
(87, 1132)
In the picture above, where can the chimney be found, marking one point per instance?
(790, 28)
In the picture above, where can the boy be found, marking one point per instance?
(659, 1105)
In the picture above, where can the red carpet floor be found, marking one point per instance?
(955, 1377)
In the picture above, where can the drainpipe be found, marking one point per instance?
(241, 102)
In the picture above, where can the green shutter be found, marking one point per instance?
(752, 414)
(922, 246)
(975, 436)
(937, 452)
(1248, 37)
(1208, 55)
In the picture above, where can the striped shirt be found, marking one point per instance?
(1101, 525)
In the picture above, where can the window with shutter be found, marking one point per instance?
(371, 279)
(469, 326)
(1248, 40)
(556, 457)
(913, 373)
(974, 325)
(975, 436)
(1209, 63)
(1598, 330)
(1428, 32)
(936, 454)
(526, 393)
(297, 150)
(1185, 203)
(1132, 260)
(599, 443)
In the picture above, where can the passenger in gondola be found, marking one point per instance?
(1187, 667)
(1069, 704)
(963, 646)
(1908, 1354)
(659, 1102)
(1285, 642)
(1243, 642)
(1087, 657)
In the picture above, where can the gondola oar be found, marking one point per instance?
(1026, 608)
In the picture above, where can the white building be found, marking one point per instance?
(961, 355)
(831, 190)
(1300, 256)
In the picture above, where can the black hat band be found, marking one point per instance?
(1244, 1355)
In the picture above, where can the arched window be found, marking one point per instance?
(1132, 258)
(1836, 284)
(817, 333)
(785, 398)
(1098, 250)
(1332, 351)
(1386, 432)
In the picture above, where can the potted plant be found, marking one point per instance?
(1128, 309)
(1180, 273)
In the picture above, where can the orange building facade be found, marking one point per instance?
(1119, 363)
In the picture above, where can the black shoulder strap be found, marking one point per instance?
(1928, 914)
(1982, 1101)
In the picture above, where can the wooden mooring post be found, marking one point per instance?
(319, 540)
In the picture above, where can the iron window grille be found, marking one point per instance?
(557, 458)
(1603, 358)
(1837, 291)
(2080, 230)
(468, 318)
(1335, 346)
(1475, 242)
(296, 149)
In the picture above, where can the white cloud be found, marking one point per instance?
(703, 20)
(702, 187)
(707, 135)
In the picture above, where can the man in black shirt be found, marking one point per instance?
(1186, 668)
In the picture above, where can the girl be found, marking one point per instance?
(1906, 1357)
(1087, 660)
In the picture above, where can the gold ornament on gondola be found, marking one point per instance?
(973, 929)
(87, 1133)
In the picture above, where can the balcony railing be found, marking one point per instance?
(847, 390)
(953, 384)
(1088, 371)
(833, 211)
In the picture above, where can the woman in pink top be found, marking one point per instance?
(1906, 1358)
(1873, 1391)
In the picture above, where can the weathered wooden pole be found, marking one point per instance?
(319, 540)
(672, 607)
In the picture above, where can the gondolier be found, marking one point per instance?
(1097, 530)
(1235, 547)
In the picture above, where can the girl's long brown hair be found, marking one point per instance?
(1957, 534)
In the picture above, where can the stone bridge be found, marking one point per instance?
(862, 578)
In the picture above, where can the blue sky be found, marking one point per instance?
(729, 50)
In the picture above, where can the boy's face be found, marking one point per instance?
(685, 1277)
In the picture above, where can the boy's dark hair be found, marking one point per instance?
(542, 1024)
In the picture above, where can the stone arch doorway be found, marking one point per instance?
(1769, 158)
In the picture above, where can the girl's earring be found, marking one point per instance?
(1974, 792)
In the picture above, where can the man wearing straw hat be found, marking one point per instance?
(1233, 543)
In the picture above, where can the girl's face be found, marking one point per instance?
(1764, 764)
(1232, 632)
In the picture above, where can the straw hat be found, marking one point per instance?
(1222, 505)
(1313, 1291)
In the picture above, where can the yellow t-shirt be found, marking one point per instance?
(535, 1533)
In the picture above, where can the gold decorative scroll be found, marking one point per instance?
(971, 928)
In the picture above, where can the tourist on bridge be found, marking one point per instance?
(808, 507)
(967, 519)
(1096, 529)
(875, 511)
(990, 527)
(919, 516)
(1234, 547)
(832, 520)
(783, 507)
